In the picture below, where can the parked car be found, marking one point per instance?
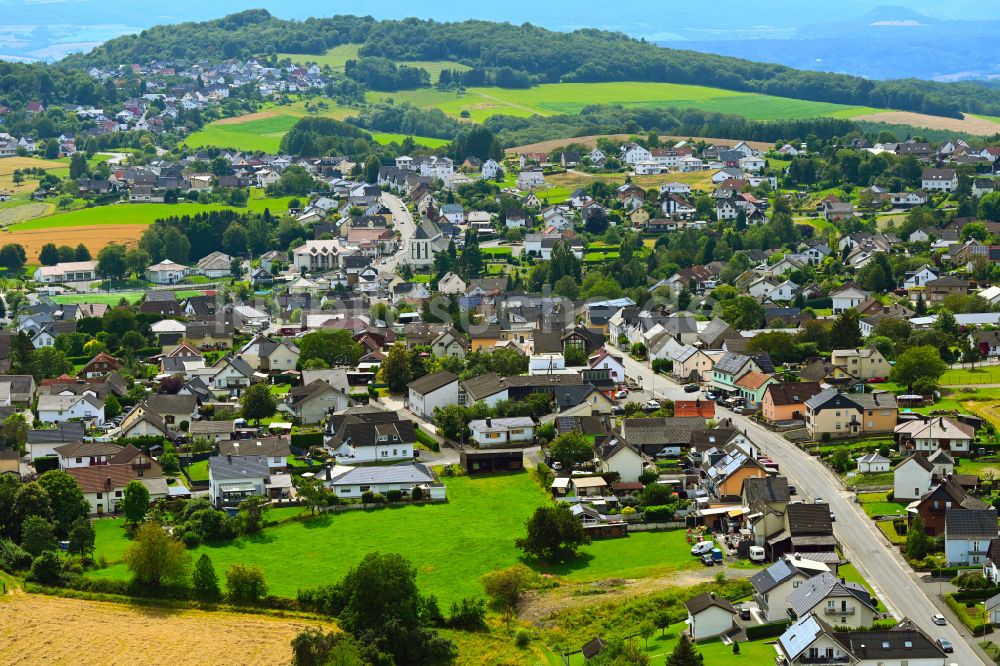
(745, 614)
(792, 490)
(557, 466)
(691, 388)
(737, 410)
(710, 395)
(707, 560)
(621, 395)
(819, 500)
(938, 619)
(703, 548)
(757, 554)
(652, 404)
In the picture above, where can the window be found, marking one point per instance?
(385, 454)
(345, 490)
(79, 460)
(100, 495)
(118, 493)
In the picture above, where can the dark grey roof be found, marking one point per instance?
(970, 524)
(69, 431)
(269, 447)
(238, 467)
(432, 382)
(731, 363)
(160, 403)
(907, 643)
(769, 489)
(707, 600)
(483, 386)
(825, 586)
(809, 519)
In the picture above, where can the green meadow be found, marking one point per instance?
(482, 518)
(338, 56)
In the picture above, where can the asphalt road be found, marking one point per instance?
(863, 544)
(403, 220)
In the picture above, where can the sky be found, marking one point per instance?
(47, 29)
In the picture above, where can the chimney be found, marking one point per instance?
(711, 595)
(489, 422)
(328, 476)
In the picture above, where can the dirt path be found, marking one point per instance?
(539, 606)
(969, 124)
(50, 630)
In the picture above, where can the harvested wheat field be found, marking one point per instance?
(52, 630)
(591, 142)
(968, 124)
(239, 120)
(94, 237)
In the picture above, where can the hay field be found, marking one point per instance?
(52, 630)
(95, 237)
(970, 124)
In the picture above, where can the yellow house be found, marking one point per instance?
(861, 363)
(848, 414)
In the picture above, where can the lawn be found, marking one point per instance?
(986, 374)
(108, 299)
(198, 471)
(889, 530)
(110, 533)
(481, 520)
(877, 504)
(870, 480)
(570, 98)
(752, 653)
(338, 56)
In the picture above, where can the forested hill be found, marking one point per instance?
(526, 55)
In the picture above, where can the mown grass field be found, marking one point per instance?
(263, 130)
(338, 56)
(482, 518)
(558, 98)
(985, 374)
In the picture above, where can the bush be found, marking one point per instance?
(191, 539)
(659, 514)
(394, 495)
(417, 494)
(891, 495)
(46, 569)
(522, 638)
(13, 558)
(648, 477)
(468, 614)
(368, 497)
(245, 584)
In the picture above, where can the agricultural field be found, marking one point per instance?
(96, 639)
(483, 517)
(557, 98)
(338, 56)
(90, 226)
(263, 130)
(977, 125)
(8, 165)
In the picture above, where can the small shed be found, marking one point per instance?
(872, 463)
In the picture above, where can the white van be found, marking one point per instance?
(703, 547)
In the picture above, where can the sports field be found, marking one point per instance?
(482, 518)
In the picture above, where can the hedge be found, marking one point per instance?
(307, 440)
(951, 572)
(771, 630)
(977, 595)
(425, 439)
(959, 609)
(659, 514)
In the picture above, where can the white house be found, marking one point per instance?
(58, 408)
(530, 178)
(405, 477)
(938, 433)
(709, 615)
(359, 441)
(604, 360)
(773, 585)
(215, 265)
(967, 535)
(939, 180)
(618, 456)
(71, 271)
(633, 153)
(919, 277)
(491, 169)
(490, 432)
(912, 478)
(871, 463)
(86, 454)
(430, 391)
(166, 272)
(232, 479)
(848, 297)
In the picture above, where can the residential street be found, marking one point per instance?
(403, 220)
(863, 544)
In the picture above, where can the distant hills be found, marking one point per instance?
(885, 43)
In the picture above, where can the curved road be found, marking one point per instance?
(403, 221)
(865, 546)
